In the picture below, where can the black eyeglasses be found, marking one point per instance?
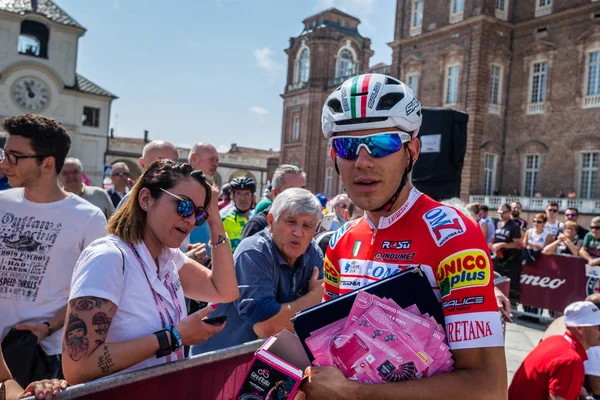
(14, 159)
(594, 227)
(186, 208)
(538, 222)
(552, 210)
(571, 215)
(121, 174)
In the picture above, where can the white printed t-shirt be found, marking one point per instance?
(100, 272)
(39, 246)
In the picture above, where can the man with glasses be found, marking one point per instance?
(119, 177)
(71, 177)
(373, 121)
(340, 204)
(572, 214)
(590, 250)
(43, 230)
(234, 221)
(3, 179)
(507, 246)
(553, 225)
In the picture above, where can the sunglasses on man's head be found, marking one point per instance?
(378, 145)
(186, 208)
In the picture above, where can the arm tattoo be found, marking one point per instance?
(87, 303)
(102, 323)
(77, 342)
(105, 361)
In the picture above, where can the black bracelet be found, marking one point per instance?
(164, 349)
(50, 330)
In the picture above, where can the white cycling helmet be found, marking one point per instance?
(371, 101)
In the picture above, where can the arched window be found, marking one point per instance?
(302, 66)
(33, 40)
(346, 66)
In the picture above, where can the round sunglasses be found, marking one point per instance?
(186, 208)
(378, 145)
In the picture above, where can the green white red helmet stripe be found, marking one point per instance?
(358, 103)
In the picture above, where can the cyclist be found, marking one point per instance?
(242, 191)
(373, 121)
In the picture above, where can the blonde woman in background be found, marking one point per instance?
(567, 242)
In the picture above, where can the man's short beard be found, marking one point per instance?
(516, 213)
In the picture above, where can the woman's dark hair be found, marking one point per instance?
(129, 221)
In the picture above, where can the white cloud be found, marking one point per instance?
(258, 110)
(223, 148)
(264, 59)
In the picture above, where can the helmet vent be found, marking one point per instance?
(388, 101)
(360, 120)
(335, 106)
(390, 81)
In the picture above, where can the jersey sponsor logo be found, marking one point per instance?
(464, 269)
(592, 286)
(351, 283)
(462, 302)
(385, 256)
(373, 96)
(371, 270)
(330, 274)
(396, 245)
(461, 331)
(345, 104)
(337, 235)
(444, 223)
(352, 267)
(545, 282)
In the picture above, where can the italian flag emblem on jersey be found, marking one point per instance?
(359, 96)
(356, 248)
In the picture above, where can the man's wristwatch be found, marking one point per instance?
(164, 348)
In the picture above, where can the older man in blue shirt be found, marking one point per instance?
(279, 272)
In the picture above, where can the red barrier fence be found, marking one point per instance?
(555, 281)
(210, 376)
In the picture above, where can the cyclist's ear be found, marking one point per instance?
(334, 160)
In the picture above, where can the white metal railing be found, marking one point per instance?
(494, 109)
(454, 18)
(591, 101)
(535, 108)
(585, 206)
(544, 10)
(297, 86)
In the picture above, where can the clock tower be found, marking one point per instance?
(38, 75)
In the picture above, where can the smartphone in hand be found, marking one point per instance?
(216, 320)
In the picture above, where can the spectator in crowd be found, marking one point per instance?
(126, 307)
(555, 368)
(45, 230)
(279, 272)
(537, 238)
(285, 176)
(538, 194)
(560, 194)
(12, 390)
(515, 192)
(152, 151)
(266, 200)
(515, 213)
(567, 242)
(472, 211)
(485, 219)
(590, 249)
(572, 195)
(3, 179)
(572, 214)
(119, 177)
(205, 157)
(339, 204)
(350, 214)
(553, 225)
(323, 200)
(242, 193)
(224, 196)
(71, 177)
(507, 246)
(353, 212)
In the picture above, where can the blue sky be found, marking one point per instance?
(204, 70)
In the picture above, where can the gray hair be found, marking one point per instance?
(158, 144)
(339, 198)
(458, 204)
(121, 165)
(297, 201)
(73, 160)
(281, 171)
(595, 220)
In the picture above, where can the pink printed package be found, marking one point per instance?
(382, 342)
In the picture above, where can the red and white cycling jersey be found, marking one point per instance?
(448, 246)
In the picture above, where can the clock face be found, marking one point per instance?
(31, 94)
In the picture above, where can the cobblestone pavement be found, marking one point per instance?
(521, 337)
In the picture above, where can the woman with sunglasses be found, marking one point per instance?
(567, 242)
(126, 308)
(536, 239)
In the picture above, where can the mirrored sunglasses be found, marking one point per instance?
(186, 208)
(377, 145)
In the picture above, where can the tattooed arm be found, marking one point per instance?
(85, 354)
(218, 285)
